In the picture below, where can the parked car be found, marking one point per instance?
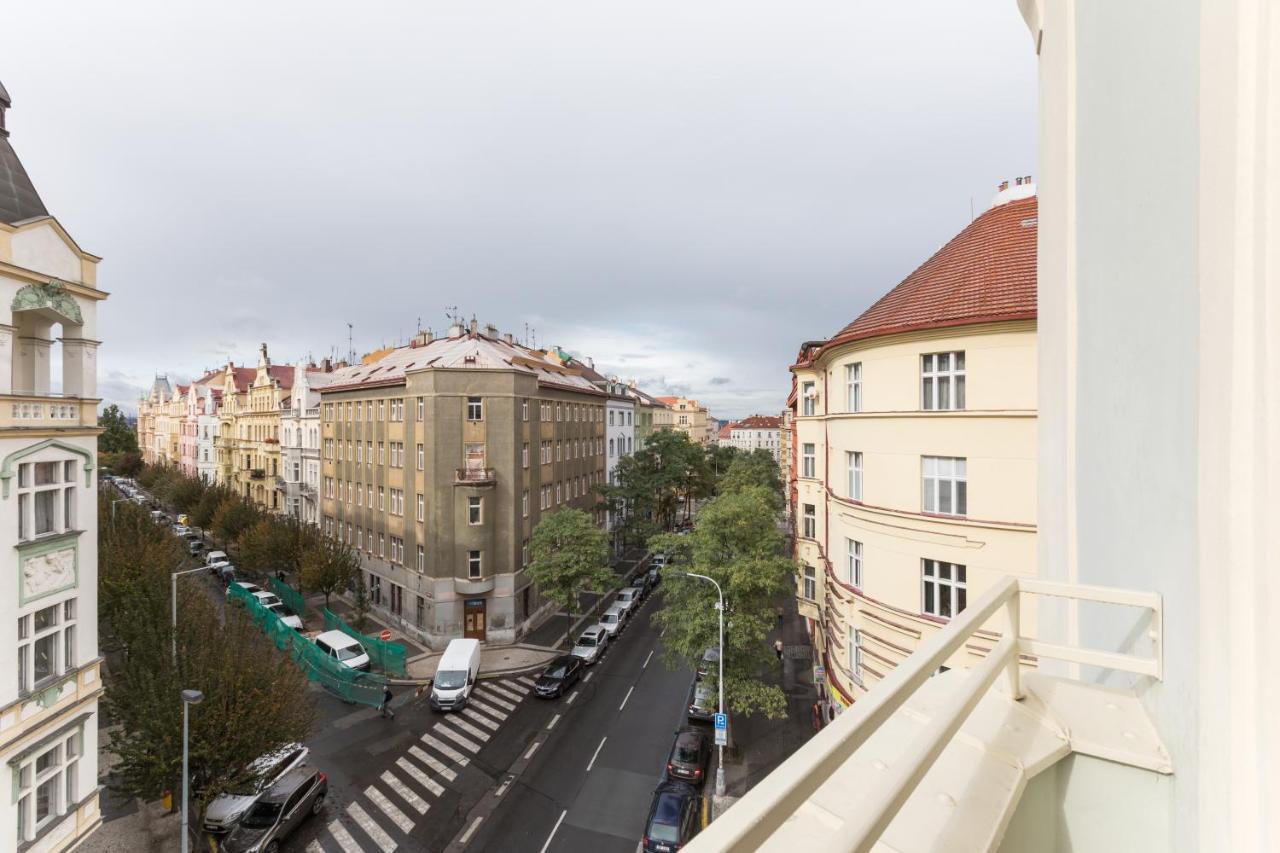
(180, 530)
(690, 755)
(659, 560)
(218, 557)
(561, 674)
(286, 614)
(251, 588)
(710, 661)
(194, 547)
(673, 818)
(655, 576)
(611, 620)
(226, 809)
(702, 701)
(628, 599)
(591, 644)
(642, 584)
(273, 818)
(267, 599)
(456, 675)
(344, 649)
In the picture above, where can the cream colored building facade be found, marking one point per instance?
(249, 430)
(915, 458)
(690, 418)
(50, 680)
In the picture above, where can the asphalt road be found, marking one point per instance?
(589, 784)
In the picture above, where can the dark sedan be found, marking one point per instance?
(690, 755)
(561, 674)
(673, 818)
(274, 817)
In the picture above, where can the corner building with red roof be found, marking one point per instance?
(914, 452)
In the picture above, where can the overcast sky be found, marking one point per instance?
(684, 190)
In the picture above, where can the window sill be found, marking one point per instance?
(47, 538)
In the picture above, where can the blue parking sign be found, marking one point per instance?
(722, 721)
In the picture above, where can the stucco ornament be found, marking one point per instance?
(52, 296)
(49, 572)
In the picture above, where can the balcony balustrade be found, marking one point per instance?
(29, 411)
(475, 476)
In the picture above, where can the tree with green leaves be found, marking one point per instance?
(268, 546)
(117, 436)
(736, 542)
(653, 483)
(569, 555)
(329, 565)
(204, 512)
(757, 468)
(360, 603)
(235, 515)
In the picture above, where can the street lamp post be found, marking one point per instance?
(189, 698)
(720, 679)
(173, 606)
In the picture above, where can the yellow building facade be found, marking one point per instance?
(248, 446)
(913, 447)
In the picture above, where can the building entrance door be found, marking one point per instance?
(473, 619)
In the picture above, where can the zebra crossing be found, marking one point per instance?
(403, 795)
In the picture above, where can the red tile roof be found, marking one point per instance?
(987, 273)
(726, 431)
(759, 422)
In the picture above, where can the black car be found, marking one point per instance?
(673, 818)
(275, 816)
(655, 576)
(690, 755)
(642, 583)
(559, 676)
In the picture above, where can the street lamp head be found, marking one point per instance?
(192, 697)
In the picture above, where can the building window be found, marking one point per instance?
(810, 583)
(943, 588)
(422, 409)
(942, 381)
(422, 559)
(475, 409)
(853, 385)
(524, 455)
(47, 786)
(46, 498)
(420, 613)
(810, 529)
(855, 654)
(809, 461)
(422, 508)
(473, 564)
(853, 554)
(524, 553)
(46, 645)
(853, 459)
(473, 511)
(945, 485)
(524, 409)
(524, 503)
(422, 458)
(808, 399)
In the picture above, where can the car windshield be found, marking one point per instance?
(453, 679)
(557, 671)
(666, 819)
(263, 814)
(609, 618)
(349, 652)
(687, 751)
(586, 640)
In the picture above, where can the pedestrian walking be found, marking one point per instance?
(385, 707)
(777, 648)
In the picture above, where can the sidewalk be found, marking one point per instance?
(495, 661)
(758, 745)
(555, 631)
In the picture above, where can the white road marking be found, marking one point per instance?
(500, 702)
(482, 704)
(456, 720)
(422, 778)
(480, 718)
(551, 725)
(370, 828)
(646, 660)
(457, 738)
(314, 847)
(444, 749)
(526, 680)
(572, 696)
(625, 698)
(587, 677)
(466, 836)
(532, 750)
(506, 692)
(344, 839)
(406, 793)
(596, 755)
(553, 831)
(502, 789)
(389, 809)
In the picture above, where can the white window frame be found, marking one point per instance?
(853, 386)
(948, 582)
(809, 589)
(942, 381)
(853, 561)
(475, 408)
(475, 511)
(855, 654)
(809, 517)
(475, 565)
(853, 462)
(809, 460)
(808, 399)
(944, 482)
(65, 500)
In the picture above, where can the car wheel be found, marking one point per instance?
(318, 805)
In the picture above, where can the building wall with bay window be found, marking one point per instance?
(917, 508)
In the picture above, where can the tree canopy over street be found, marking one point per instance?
(569, 555)
(653, 484)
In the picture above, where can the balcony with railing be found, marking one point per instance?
(929, 761)
(475, 476)
(46, 411)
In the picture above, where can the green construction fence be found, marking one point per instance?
(292, 598)
(349, 684)
(387, 656)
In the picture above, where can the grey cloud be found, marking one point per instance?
(720, 380)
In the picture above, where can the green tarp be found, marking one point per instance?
(293, 599)
(386, 656)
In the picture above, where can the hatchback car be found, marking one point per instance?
(561, 674)
(690, 755)
(655, 576)
(591, 644)
(673, 818)
(641, 584)
(227, 808)
(628, 599)
(273, 818)
(612, 619)
(344, 649)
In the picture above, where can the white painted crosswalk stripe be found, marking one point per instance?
(467, 729)
(500, 701)
(435, 764)
(444, 749)
(453, 735)
(314, 847)
(506, 692)
(370, 828)
(482, 703)
(526, 680)
(344, 839)
(475, 715)
(406, 793)
(388, 808)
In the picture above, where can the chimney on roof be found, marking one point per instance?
(455, 331)
(591, 362)
(1021, 187)
(5, 103)
(473, 324)
(422, 338)
(490, 331)
(509, 339)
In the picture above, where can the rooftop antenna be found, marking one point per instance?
(351, 349)
(970, 208)
(451, 314)
(526, 334)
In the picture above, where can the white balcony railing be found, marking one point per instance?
(777, 798)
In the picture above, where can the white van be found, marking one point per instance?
(456, 675)
(344, 649)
